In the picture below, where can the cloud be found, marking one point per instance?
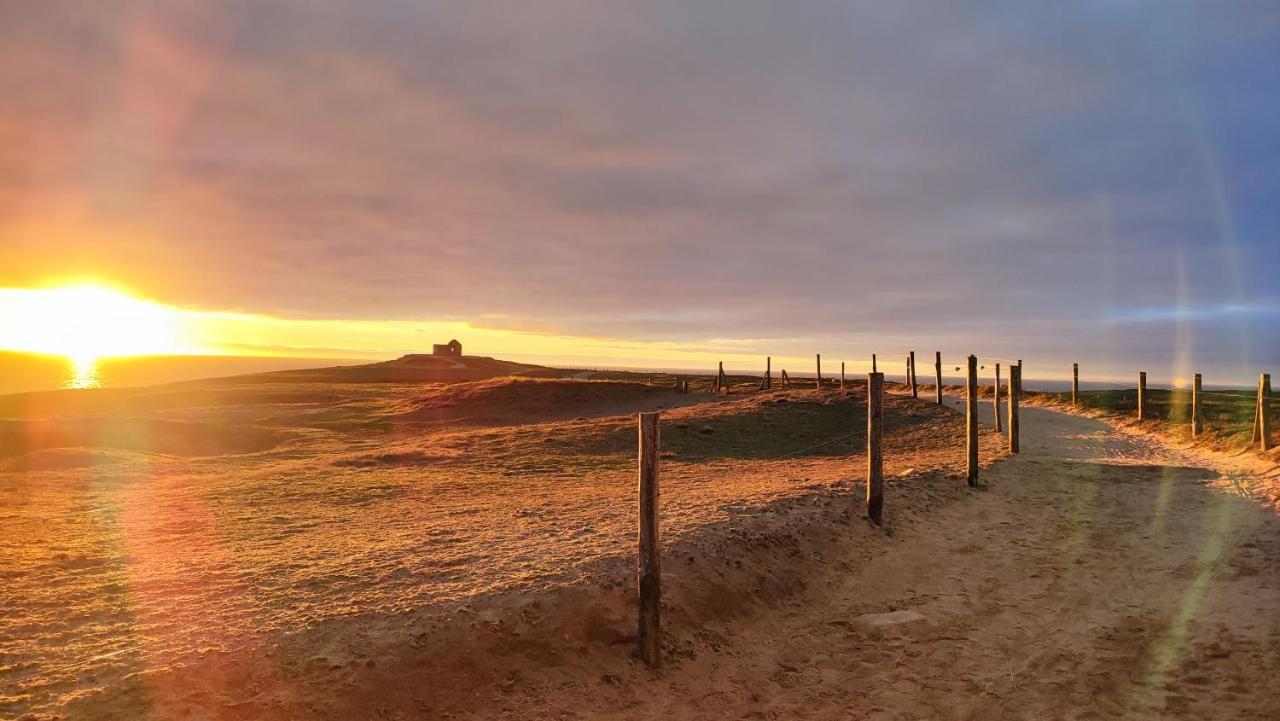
(984, 174)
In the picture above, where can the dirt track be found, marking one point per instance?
(1102, 575)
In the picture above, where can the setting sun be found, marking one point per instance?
(86, 322)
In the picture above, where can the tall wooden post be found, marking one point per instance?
(995, 403)
(842, 376)
(1262, 413)
(911, 371)
(937, 374)
(1142, 395)
(768, 374)
(818, 383)
(1197, 418)
(1075, 384)
(873, 362)
(875, 455)
(971, 420)
(1015, 394)
(648, 574)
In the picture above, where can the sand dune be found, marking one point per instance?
(146, 534)
(336, 550)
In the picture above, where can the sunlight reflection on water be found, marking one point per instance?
(82, 373)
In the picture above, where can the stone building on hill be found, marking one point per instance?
(453, 349)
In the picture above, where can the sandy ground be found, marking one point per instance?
(342, 569)
(1099, 575)
(237, 550)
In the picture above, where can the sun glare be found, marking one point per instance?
(85, 323)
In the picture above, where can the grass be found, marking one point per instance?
(1228, 415)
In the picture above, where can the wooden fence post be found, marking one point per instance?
(1262, 413)
(842, 377)
(1075, 385)
(937, 374)
(971, 420)
(786, 381)
(768, 374)
(996, 402)
(1197, 418)
(911, 371)
(875, 454)
(1142, 395)
(1015, 394)
(873, 362)
(818, 384)
(648, 574)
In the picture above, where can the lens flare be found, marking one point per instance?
(85, 323)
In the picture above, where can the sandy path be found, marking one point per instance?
(1101, 575)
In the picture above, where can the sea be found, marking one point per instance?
(27, 372)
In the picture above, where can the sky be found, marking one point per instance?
(662, 183)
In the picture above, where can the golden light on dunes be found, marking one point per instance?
(85, 323)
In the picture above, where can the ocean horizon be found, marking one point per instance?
(33, 373)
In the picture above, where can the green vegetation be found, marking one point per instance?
(1228, 415)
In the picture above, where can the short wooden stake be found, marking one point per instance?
(911, 370)
(1075, 384)
(995, 402)
(786, 381)
(648, 573)
(875, 454)
(1197, 417)
(971, 420)
(1015, 394)
(1142, 395)
(818, 384)
(937, 374)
